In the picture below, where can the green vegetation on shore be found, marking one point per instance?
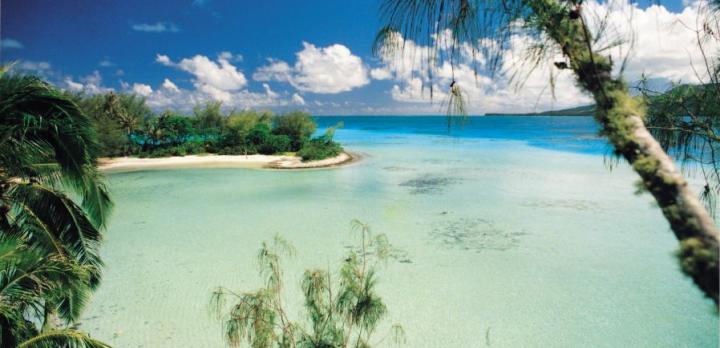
(126, 126)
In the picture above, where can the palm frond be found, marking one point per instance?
(51, 219)
(67, 338)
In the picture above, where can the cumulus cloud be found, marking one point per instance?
(91, 84)
(10, 43)
(230, 56)
(163, 59)
(216, 78)
(297, 99)
(277, 70)
(159, 27)
(482, 92)
(72, 85)
(142, 89)
(663, 47)
(665, 42)
(328, 70)
(213, 80)
(170, 86)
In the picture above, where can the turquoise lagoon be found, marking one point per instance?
(509, 232)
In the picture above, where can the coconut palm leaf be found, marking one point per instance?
(50, 219)
(41, 125)
(62, 338)
(33, 283)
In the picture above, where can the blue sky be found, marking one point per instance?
(276, 54)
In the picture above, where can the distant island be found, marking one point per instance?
(584, 110)
(691, 94)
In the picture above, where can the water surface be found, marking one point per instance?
(510, 231)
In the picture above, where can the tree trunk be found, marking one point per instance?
(622, 119)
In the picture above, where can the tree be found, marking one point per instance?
(111, 138)
(343, 313)
(209, 119)
(560, 27)
(28, 280)
(685, 118)
(128, 112)
(48, 147)
(297, 125)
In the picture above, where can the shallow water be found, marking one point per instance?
(500, 241)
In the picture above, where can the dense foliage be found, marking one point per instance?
(685, 120)
(340, 313)
(126, 126)
(320, 147)
(49, 242)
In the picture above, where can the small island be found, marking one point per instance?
(131, 136)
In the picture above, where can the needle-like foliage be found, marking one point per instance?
(343, 313)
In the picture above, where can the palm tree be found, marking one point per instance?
(560, 25)
(128, 121)
(47, 153)
(28, 279)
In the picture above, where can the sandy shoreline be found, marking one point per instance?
(220, 161)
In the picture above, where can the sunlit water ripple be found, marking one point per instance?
(509, 232)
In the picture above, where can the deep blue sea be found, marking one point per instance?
(566, 133)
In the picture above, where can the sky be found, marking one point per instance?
(310, 55)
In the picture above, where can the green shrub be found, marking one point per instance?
(275, 144)
(319, 148)
(298, 126)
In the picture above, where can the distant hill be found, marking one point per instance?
(585, 110)
(694, 98)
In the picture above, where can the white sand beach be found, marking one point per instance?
(220, 161)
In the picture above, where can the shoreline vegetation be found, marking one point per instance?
(257, 161)
(126, 127)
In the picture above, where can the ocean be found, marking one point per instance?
(506, 232)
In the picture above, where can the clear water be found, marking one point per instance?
(511, 232)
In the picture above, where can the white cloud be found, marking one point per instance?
(170, 86)
(482, 93)
(277, 70)
(380, 74)
(327, 70)
(230, 57)
(91, 84)
(159, 27)
(106, 63)
(297, 99)
(268, 91)
(10, 43)
(665, 43)
(142, 89)
(72, 85)
(163, 59)
(218, 80)
(220, 75)
(663, 48)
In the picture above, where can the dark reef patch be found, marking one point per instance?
(573, 204)
(429, 183)
(474, 234)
